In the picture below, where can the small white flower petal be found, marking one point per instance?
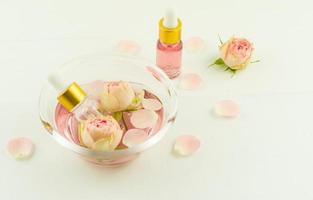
(186, 145)
(127, 47)
(20, 148)
(190, 81)
(151, 104)
(194, 44)
(227, 108)
(143, 118)
(135, 136)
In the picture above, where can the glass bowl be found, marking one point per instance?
(86, 69)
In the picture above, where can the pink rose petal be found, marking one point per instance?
(186, 145)
(190, 81)
(129, 125)
(20, 148)
(143, 118)
(194, 44)
(158, 125)
(135, 136)
(227, 108)
(127, 47)
(151, 104)
(126, 120)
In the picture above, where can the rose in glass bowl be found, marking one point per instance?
(87, 69)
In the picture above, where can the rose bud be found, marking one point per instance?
(117, 96)
(102, 133)
(236, 53)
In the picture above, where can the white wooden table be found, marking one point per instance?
(265, 153)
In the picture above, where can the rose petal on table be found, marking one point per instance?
(143, 118)
(227, 108)
(20, 148)
(151, 104)
(127, 47)
(190, 81)
(194, 44)
(135, 136)
(186, 145)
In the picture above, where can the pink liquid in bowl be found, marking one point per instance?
(68, 126)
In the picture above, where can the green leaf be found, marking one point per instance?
(117, 115)
(232, 71)
(219, 61)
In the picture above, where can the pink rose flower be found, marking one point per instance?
(117, 96)
(101, 133)
(236, 53)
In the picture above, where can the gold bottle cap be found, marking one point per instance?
(72, 96)
(170, 35)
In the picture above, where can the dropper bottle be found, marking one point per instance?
(169, 46)
(74, 98)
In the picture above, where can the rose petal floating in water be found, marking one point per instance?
(227, 108)
(127, 47)
(135, 136)
(186, 145)
(20, 148)
(151, 104)
(126, 120)
(190, 81)
(194, 44)
(143, 118)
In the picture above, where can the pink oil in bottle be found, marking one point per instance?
(168, 58)
(169, 46)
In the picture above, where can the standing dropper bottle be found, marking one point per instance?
(73, 98)
(169, 46)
